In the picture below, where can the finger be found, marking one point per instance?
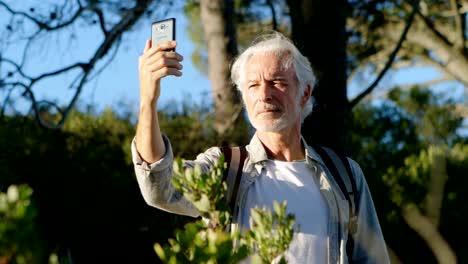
(174, 55)
(169, 64)
(166, 72)
(164, 57)
(147, 46)
(164, 46)
(141, 57)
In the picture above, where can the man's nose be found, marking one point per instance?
(264, 91)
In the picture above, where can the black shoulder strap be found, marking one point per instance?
(338, 165)
(234, 158)
(354, 190)
(330, 159)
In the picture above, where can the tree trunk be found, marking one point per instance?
(429, 233)
(219, 30)
(436, 184)
(394, 259)
(318, 28)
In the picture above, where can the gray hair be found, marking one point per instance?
(277, 44)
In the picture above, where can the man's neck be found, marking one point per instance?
(282, 146)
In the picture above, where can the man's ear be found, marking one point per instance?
(306, 95)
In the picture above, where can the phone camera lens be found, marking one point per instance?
(162, 27)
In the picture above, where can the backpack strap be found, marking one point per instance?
(234, 158)
(338, 165)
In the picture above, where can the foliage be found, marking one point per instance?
(453, 220)
(413, 175)
(205, 191)
(433, 115)
(206, 241)
(393, 140)
(19, 241)
(386, 132)
(190, 128)
(88, 203)
(198, 244)
(270, 245)
(436, 123)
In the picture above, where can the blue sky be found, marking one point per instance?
(118, 82)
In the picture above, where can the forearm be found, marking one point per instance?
(149, 142)
(155, 63)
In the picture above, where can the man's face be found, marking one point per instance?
(270, 93)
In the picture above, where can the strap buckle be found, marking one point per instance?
(353, 224)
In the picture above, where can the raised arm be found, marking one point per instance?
(154, 64)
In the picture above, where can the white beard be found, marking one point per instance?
(276, 125)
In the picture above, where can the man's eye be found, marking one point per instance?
(280, 84)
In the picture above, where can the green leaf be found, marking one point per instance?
(160, 252)
(203, 204)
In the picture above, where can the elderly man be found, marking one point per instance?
(276, 82)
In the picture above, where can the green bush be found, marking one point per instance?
(206, 241)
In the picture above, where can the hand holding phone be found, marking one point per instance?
(163, 31)
(155, 64)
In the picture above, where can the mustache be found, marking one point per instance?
(268, 107)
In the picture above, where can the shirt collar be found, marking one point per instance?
(257, 152)
(311, 153)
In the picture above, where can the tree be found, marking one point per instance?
(319, 29)
(220, 34)
(437, 39)
(31, 27)
(410, 142)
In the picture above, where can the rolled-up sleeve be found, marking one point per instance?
(155, 183)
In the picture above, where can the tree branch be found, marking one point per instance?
(459, 27)
(461, 110)
(442, 79)
(273, 14)
(129, 19)
(34, 105)
(367, 91)
(450, 59)
(84, 66)
(17, 67)
(43, 25)
(429, 233)
(102, 21)
(112, 36)
(441, 67)
(13, 12)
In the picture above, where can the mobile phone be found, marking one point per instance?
(162, 31)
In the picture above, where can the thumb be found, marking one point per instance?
(148, 45)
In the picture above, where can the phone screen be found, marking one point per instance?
(162, 31)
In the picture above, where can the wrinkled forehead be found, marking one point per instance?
(269, 64)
